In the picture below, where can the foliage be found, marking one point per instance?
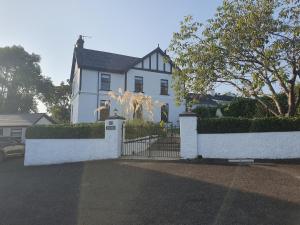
(205, 112)
(57, 101)
(20, 80)
(245, 125)
(66, 131)
(132, 104)
(140, 128)
(241, 107)
(252, 45)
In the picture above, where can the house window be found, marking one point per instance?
(1, 131)
(165, 113)
(138, 84)
(16, 132)
(164, 87)
(104, 110)
(105, 82)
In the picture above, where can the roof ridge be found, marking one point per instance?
(109, 53)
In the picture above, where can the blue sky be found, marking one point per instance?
(131, 27)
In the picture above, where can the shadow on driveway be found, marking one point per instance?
(120, 192)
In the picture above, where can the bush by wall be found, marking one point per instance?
(66, 131)
(245, 125)
(205, 112)
(140, 128)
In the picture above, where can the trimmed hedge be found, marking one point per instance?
(244, 125)
(66, 131)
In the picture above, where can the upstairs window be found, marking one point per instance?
(164, 86)
(104, 110)
(138, 84)
(105, 82)
(16, 132)
(164, 113)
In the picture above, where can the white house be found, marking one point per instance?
(95, 73)
(14, 125)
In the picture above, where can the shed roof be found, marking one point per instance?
(21, 120)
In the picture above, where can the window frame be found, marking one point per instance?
(108, 108)
(103, 83)
(135, 84)
(16, 128)
(161, 87)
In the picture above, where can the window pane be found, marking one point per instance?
(16, 132)
(164, 87)
(138, 84)
(104, 110)
(105, 82)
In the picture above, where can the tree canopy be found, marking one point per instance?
(252, 45)
(21, 80)
(58, 100)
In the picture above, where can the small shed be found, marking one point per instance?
(14, 125)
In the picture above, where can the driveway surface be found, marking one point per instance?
(141, 192)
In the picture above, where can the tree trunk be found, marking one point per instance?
(291, 102)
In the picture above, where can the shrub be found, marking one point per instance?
(66, 131)
(245, 125)
(223, 125)
(205, 112)
(241, 107)
(140, 128)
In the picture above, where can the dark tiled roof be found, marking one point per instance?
(24, 119)
(104, 61)
(210, 99)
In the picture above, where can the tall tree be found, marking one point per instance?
(21, 80)
(57, 102)
(252, 45)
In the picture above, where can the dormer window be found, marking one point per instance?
(105, 82)
(138, 84)
(164, 86)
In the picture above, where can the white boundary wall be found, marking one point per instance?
(264, 145)
(267, 145)
(56, 151)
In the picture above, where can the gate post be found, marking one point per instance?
(114, 133)
(188, 135)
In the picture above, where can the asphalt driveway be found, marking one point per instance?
(135, 192)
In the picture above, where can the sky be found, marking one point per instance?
(131, 27)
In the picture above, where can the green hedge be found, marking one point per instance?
(244, 125)
(66, 131)
(139, 128)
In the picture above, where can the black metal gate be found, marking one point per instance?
(151, 142)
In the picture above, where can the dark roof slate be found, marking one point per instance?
(104, 61)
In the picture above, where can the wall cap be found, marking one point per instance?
(188, 114)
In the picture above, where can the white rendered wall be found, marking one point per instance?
(152, 88)
(267, 145)
(87, 102)
(188, 137)
(57, 151)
